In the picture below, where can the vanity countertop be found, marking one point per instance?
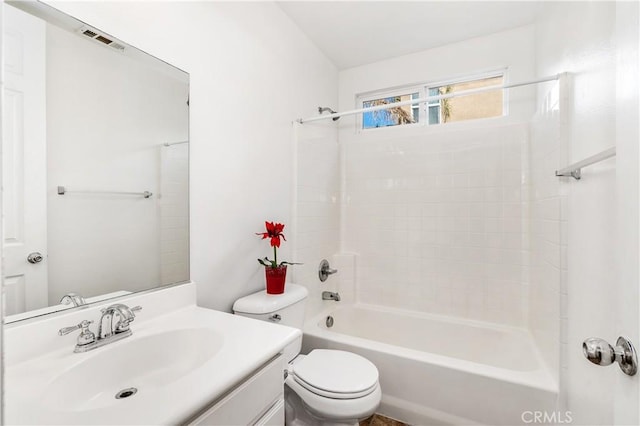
(180, 362)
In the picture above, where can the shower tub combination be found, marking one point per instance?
(441, 370)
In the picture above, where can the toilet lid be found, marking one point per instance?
(336, 373)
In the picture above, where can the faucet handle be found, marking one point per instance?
(86, 336)
(120, 307)
(123, 324)
(324, 270)
(66, 330)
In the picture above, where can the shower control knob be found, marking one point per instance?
(600, 352)
(324, 270)
(34, 257)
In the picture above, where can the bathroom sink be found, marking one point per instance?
(143, 363)
(179, 362)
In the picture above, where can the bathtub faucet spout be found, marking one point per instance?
(329, 295)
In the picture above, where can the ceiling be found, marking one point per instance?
(353, 33)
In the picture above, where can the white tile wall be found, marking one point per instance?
(317, 218)
(548, 228)
(440, 220)
(174, 213)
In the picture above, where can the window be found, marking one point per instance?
(437, 111)
(395, 116)
(468, 107)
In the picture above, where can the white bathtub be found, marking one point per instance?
(441, 370)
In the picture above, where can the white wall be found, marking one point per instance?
(252, 73)
(626, 406)
(2, 301)
(439, 215)
(107, 118)
(511, 49)
(580, 38)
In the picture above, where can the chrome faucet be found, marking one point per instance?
(73, 298)
(113, 326)
(125, 316)
(329, 295)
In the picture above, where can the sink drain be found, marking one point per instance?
(126, 393)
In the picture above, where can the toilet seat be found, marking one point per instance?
(333, 395)
(335, 374)
(335, 409)
(335, 384)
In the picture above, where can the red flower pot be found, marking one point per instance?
(275, 279)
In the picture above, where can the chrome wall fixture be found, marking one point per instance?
(600, 352)
(63, 190)
(174, 143)
(330, 295)
(575, 170)
(330, 111)
(329, 321)
(324, 270)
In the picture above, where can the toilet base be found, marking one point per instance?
(297, 414)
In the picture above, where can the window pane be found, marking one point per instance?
(434, 114)
(470, 107)
(415, 109)
(395, 116)
(434, 91)
(415, 112)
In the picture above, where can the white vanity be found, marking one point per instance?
(182, 365)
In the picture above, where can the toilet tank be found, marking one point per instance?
(284, 309)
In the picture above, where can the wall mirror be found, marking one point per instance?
(95, 165)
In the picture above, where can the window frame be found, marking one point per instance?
(423, 89)
(386, 93)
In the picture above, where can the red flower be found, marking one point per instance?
(274, 231)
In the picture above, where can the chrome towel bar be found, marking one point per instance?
(575, 169)
(62, 190)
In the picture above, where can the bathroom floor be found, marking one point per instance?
(380, 420)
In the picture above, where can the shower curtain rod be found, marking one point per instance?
(427, 99)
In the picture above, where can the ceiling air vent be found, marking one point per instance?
(103, 39)
(95, 35)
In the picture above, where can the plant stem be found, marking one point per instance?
(275, 257)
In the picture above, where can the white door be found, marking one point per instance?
(626, 392)
(24, 161)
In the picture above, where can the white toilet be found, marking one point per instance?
(325, 387)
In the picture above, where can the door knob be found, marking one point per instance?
(600, 352)
(34, 257)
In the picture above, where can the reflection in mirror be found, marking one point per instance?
(95, 165)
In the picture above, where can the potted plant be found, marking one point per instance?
(275, 273)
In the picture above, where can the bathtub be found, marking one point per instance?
(441, 370)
